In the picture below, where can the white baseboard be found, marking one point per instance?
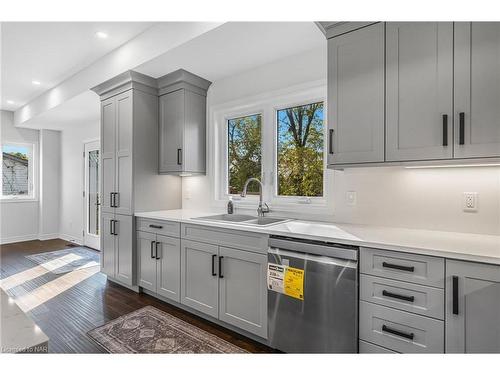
(29, 237)
(67, 237)
(51, 236)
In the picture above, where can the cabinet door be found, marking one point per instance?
(108, 255)
(472, 307)
(243, 290)
(124, 135)
(146, 260)
(124, 249)
(199, 278)
(356, 96)
(477, 89)
(169, 267)
(171, 131)
(419, 90)
(108, 161)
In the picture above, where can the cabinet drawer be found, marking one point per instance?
(165, 228)
(226, 237)
(413, 268)
(400, 331)
(418, 299)
(369, 348)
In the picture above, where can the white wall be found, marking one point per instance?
(72, 175)
(50, 181)
(411, 198)
(19, 220)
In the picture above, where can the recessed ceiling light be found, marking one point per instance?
(10, 102)
(101, 35)
(35, 82)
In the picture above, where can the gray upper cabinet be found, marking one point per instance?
(116, 136)
(182, 138)
(356, 96)
(419, 90)
(243, 290)
(108, 154)
(472, 307)
(199, 277)
(477, 89)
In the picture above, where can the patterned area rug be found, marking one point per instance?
(66, 260)
(149, 330)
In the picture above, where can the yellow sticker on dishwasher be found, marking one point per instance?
(294, 283)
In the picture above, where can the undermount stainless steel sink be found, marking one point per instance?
(243, 219)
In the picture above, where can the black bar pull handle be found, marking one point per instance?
(153, 249)
(213, 264)
(179, 156)
(396, 332)
(111, 199)
(330, 141)
(157, 253)
(461, 130)
(111, 227)
(398, 267)
(156, 226)
(114, 227)
(445, 130)
(398, 296)
(115, 200)
(221, 276)
(455, 294)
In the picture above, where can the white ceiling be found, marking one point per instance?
(236, 47)
(51, 52)
(227, 50)
(82, 110)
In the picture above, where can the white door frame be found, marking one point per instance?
(89, 239)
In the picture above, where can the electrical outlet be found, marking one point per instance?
(470, 202)
(351, 198)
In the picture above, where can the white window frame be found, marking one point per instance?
(266, 105)
(32, 160)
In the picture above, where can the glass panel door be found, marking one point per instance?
(92, 195)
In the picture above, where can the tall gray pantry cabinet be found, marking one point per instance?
(129, 168)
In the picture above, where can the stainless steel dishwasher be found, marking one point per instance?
(323, 316)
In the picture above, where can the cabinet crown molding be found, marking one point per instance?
(182, 79)
(125, 81)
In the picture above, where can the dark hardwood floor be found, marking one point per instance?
(67, 315)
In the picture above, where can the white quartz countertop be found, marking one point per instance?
(17, 331)
(464, 246)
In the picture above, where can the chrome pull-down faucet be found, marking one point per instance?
(263, 207)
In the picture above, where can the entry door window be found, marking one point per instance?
(93, 193)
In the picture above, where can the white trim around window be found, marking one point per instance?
(32, 176)
(267, 106)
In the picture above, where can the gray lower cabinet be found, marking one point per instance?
(243, 290)
(199, 277)
(419, 90)
(472, 307)
(400, 331)
(356, 96)
(477, 89)
(146, 260)
(107, 244)
(369, 348)
(117, 247)
(159, 264)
